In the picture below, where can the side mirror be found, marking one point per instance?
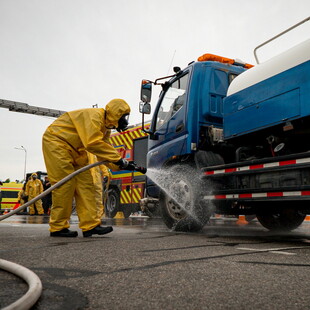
(145, 108)
(146, 91)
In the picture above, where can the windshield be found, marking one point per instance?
(173, 101)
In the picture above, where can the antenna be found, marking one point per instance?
(171, 61)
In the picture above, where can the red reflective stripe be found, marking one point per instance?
(230, 169)
(250, 195)
(287, 162)
(256, 166)
(245, 196)
(252, 167)
(279, 194)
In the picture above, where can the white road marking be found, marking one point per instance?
(281, 252)
(274, 250)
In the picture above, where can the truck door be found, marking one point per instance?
(170, 121)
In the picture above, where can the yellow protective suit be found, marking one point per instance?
(21, 195)
(98, 173)
(105, 171)
(33, 189)
(65, 145)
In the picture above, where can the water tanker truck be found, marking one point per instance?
(231, 139)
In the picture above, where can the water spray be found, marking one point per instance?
(181, 194)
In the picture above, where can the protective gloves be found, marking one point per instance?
(130, 165)
(126, 165)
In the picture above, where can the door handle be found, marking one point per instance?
(179, 127)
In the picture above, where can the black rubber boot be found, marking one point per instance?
(64, 233)
(99, 230)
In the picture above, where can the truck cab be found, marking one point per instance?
(190, 103)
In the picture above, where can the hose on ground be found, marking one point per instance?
(33, 281)
(58, 184)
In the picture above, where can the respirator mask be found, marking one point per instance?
(123, 123)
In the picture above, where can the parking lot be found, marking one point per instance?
(143, 265)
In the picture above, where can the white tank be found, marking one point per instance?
(289, 59)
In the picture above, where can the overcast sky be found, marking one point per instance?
(72, 54)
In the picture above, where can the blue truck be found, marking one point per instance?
(231, 139)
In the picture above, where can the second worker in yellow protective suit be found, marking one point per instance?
(65, 145)
(34, 188)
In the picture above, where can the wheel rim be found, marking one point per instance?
(111, 205)
(180, 204)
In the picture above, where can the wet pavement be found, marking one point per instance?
(144, 265)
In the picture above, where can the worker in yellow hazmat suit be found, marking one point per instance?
(65, 145)
(34, 188)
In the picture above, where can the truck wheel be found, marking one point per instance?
(113, 202)
(284, 220)
(181, 204)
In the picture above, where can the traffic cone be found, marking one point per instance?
(6, 211)
(17, 205)
(307, 219)
(242, 220)
(119, 215)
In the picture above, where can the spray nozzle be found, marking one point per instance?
(141, 169)
(131, 166)
(137, 168)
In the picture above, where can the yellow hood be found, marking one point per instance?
(115, 109)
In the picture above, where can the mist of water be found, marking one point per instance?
(183, 185)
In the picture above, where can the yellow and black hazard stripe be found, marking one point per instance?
(125, 196)
(133, 195)
(126, 138)
(136, 194)
(9, 193)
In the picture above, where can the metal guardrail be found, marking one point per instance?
(277, 36)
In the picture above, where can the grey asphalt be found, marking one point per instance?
(143, 265)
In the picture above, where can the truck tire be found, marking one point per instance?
(284, 220)
(113, 203)
(180, 202)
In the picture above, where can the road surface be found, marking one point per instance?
(144, 265)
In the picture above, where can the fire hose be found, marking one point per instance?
(35, 285)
